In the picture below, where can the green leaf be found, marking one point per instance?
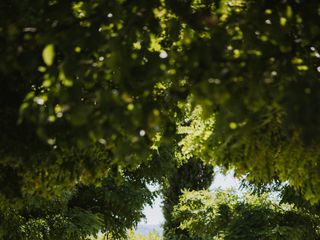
(48, 54)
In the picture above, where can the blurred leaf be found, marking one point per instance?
(48, 54)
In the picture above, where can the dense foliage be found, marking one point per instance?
(111, 206)
(93, 86)
(113, 73)
(225, 215)
(193, 175)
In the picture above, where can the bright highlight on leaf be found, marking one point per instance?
(233, 125)
(48, 54)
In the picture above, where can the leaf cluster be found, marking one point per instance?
(225, 215)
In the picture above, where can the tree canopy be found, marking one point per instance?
(226, 215)
(93, 87)
(115, 74)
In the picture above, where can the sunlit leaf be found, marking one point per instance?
(48, 54)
